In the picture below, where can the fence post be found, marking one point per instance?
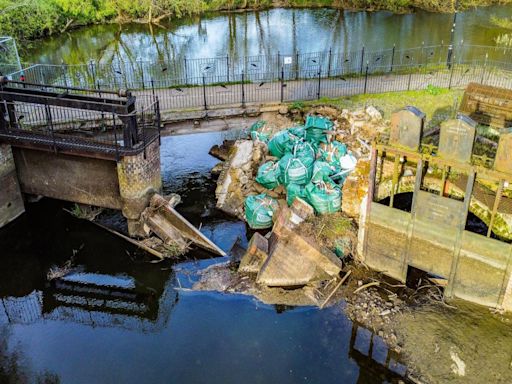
(115, 134)
(392, 58)
(50, 125)
(142, 76)
(93, 72)
(297, 65)
(366, 77)
(186, 70)
(319, 82)
(278, 62)
(204, 94)
(329, 63)
(452, 67)
(227, 67)
(485, 67)
(243, 89)
(282, 84)
(362, 61)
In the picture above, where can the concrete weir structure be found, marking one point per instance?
(100, 149)
(434, 232)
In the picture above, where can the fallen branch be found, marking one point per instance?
(335, 289)
(372, 284)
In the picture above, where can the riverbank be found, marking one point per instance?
(42, 18)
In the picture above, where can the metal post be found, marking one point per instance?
(282, 84)
(485, 67)
(319, 82)
(449, 57)
(186, 70)
(297, 66)
(50, 125)
(409, 81)
(204, 94)
(142, 75)
(392, 58)
(362, 60)
(93, 72)
(452, 67)
(158, 119)
(243, 90)
(227, 67)
(329, 63)
(115, 134)
(366, 78)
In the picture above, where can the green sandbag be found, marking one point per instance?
(304, 149)
(293, 191)
(281, 143)
(257, 131)
(268, 175)
(299, 131)
(316, 126)
(325, 197)
(259, 210)
(332, 153)
(321, 171)
(296, 170)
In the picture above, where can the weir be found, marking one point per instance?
(432, 235)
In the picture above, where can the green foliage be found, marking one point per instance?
(502, 22)
(30, 19)
(433, 90)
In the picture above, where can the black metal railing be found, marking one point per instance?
(77, 119)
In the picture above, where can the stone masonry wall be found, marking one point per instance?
(139, 178)
(11, 201)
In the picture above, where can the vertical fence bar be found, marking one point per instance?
(484, 69)
(362, 60)
(297, 65)
(366, 77)
(452, 68)
(50, 125)
(115, 134)
(243, 89)
(329, 63)
(282, 84)
(392, 58)
(204, 94)
(319, 82)
(186, 70)
(227, 68)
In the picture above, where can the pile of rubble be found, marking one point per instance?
(283, 177)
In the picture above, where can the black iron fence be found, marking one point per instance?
(206, 83)
(86, 120)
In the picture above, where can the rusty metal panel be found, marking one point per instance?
(503, 160)
(407, 128)
(457, 139)
(481, 271)
(488, 105)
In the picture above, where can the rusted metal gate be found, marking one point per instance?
(433, 235)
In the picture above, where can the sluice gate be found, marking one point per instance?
(450, 186)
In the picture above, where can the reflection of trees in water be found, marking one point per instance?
(13, 365)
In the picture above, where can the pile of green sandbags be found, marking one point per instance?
(259, 210)
(269, 175)
(324, 196)
(307, 167)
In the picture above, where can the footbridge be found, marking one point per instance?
(93, 147)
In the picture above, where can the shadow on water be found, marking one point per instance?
(108, 315)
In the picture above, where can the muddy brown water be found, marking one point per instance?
(115, 317)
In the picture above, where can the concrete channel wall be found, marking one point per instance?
(11, 201)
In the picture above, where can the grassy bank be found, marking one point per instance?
(30, 19)
(438, 104)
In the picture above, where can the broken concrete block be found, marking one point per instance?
(297, 261)
(255, 256)
(302, 209)
(221, 152)
(230, 197)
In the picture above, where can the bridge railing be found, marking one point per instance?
(66, 118)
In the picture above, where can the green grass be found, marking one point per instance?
(438, 105)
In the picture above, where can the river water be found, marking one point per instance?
(116, 317)
(265, 32)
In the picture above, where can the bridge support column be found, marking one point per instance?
(11, 200)
(139, 178)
